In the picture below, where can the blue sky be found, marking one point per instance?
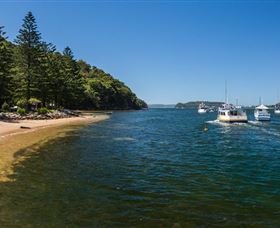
(167, 51)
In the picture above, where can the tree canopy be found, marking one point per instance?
(32, 69)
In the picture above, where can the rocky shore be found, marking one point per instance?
(12, 116)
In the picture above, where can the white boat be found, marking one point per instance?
(261, 113)
(232, 114)
(277, 110)
(277, 106)
(202, 108)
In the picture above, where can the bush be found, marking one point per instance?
(34, 101)
(60, 108)
(43, 110)
(22, 103)
(5, 107)
(21, 111)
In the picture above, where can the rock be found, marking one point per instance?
(23, 127)
(37, 116)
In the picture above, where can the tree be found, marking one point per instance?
(57, 80)
(6, 64)
(28, 57)
(33, 73)
(85, 68)
(74, 88)
(43, 81)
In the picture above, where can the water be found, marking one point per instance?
(150, 169)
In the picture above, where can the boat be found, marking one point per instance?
(229, 113)
(212, 109)
(277, 109)
(261, 113)
(277, 106)
(232, 114)
(202, 108)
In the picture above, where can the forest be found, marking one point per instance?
(34, 74)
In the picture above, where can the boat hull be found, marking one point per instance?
(201, 111)
(262, 117)
(261, 113)
(277, 111)
(233, 119)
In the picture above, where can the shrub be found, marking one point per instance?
(22, 103)
(5, 107)
(43, 110)
(60, 108)
(21, 111)
(34, 101)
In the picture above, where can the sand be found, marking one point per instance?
(14, 138)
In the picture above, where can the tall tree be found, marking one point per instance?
(28, 56)
(74, 82)
(6, 63)
(43, 81)
(57, 78)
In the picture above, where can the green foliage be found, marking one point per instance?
(34, 101)
(22, 103)
(28, 58)
(43, 110)
(5, 107)
(105, 92)
(6, 65)
(21, 111)
(33, 73)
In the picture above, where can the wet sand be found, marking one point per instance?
(13, 137)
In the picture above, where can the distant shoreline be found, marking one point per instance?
(13, 138)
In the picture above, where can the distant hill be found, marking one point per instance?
(161, 105)
(194, 104)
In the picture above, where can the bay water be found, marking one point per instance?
(155, 168)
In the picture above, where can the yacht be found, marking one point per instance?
(231, 114)
(261, 113)
(277, 109)
(277, 106)
(202, 108)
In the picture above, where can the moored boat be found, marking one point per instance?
(232, 114)
(202, 108)
(261, 113)
(277, 109)
(277, 105)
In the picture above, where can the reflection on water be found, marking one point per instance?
(153, 168)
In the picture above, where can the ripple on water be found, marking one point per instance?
(150, 169)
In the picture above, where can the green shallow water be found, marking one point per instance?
(150, 169)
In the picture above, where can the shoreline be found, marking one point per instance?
(13, 138)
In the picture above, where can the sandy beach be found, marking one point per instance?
(35, 132)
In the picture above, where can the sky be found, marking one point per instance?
(167, 51)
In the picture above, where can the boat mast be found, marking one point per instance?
(226, 96)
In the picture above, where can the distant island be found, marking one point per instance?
(194, 104)
(161, 105)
